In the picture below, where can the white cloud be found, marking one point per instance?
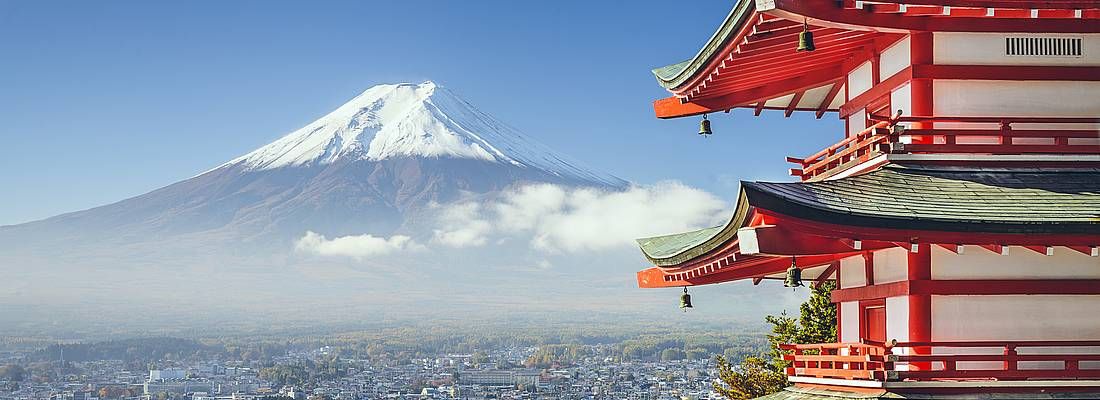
(462, 227)
(563, 219)
(356, 246)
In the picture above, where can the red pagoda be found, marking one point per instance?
(958, 214)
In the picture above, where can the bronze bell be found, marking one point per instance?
(704, 126)
(806, 38)
(685, 300)
(794, 276)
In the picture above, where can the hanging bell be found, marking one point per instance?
(806, 38)
(794, 276)
(704, 126)
(685, 300)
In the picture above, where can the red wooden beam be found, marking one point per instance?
(794, 103)
(1044, 250)
(758, 109)
(828, 14)
(904, 236)
(996, 248)
(954, 248)
(1021, 4)
(741, 72)
(828, 37)
(880, 291)
(824, 277)
(655, 277)
(824, 106)
(875, 92)
(787, 37)
(672, 107)
(1001, 148)
(1007, 72)
(761, 79)
(982, 287)
(781, 241)
(1092, 251)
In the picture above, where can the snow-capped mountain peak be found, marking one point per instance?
(411, 120)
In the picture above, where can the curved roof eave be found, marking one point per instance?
(676, 75)
(987, 200)
(669, 250)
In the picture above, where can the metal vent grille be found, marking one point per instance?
(1043, 46)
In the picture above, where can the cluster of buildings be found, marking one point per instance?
(447, 376)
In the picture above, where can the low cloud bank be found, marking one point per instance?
(562, 219)
(356, 246)
(550, 218)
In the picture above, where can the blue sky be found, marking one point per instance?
(100, 101)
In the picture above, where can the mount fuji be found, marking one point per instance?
(379, 165)
(370, 166)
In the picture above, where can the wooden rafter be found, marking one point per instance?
(794, 103)
(829, 97)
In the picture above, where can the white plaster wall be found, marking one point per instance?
(849, 321)
(860, 80)
(1016, 98)
(897, 318)
(891, 265)
(857, 122)
(989, 49)
(852, 272)
(1022, 317)
(897, 323)
(902, 99)
(1020, 263)
(894, 59)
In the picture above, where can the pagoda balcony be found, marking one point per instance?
(946, 364)
(956, 140)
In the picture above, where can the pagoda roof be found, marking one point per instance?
(751, 61)
(897, 197)
(671, 76)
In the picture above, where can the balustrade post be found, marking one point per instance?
(1010, 357)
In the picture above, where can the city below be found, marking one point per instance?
(512, 366)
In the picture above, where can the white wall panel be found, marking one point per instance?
(859, 80)
(852, 272)
(989, 49)
(849, 321)
(894, 59)
(891, 265)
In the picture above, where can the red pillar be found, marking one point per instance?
(920, 53)
(920, 306)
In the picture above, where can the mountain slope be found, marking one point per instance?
(366, 167)
(406, 120)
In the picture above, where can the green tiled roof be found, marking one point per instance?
(674, 75)
(988, 200)
(674, 249)
(945, 199)
(670, 245)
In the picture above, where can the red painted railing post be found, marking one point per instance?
(1010, 357)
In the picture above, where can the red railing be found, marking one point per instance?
(863, 361)
(958, 360)
(887, 135)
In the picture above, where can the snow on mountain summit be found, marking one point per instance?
(412, 120)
